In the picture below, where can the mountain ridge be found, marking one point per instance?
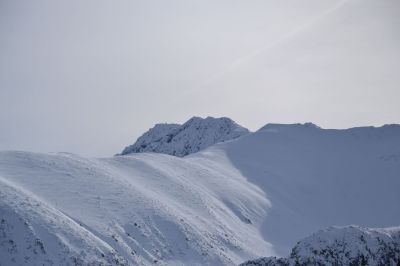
(180, 140)
(349, 245)
(250, 197)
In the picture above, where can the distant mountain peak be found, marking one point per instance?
(275, 126)
(348, 245)
(194, 135)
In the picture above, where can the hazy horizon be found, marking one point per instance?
(90, 77)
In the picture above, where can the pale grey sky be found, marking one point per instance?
(90, 76)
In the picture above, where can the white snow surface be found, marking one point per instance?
(251, 197)
(316, 178)
(374, 246)
(139, 210)
(350, 245)
(194, 135)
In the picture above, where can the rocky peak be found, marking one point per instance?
(180, 140)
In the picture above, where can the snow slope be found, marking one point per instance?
(33, 232)
(143, 209)
(351, 245)
(251, 197)
(316, 178)
(194, 135)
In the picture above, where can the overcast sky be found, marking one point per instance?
(90, 76)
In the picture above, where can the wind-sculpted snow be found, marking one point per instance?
(180, 140)
(316, 178)
(34, 233)
(143, 209)
(351, 245)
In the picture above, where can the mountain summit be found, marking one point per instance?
(346, 245)
(180, 140)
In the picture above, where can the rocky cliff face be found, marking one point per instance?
(351, 245)
(180, 140)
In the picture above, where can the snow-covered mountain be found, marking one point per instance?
(351, 245)
(316, 178)
(140, 209)
(251, 197)
(180, 140)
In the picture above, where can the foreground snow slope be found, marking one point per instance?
(33, 232)
(141, 209)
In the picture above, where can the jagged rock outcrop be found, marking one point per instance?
(180, 140)
(351, 245)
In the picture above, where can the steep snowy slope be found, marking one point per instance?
(180, 140)
(141, 209)
(352, 245)
(35, 233)
(316, 178)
